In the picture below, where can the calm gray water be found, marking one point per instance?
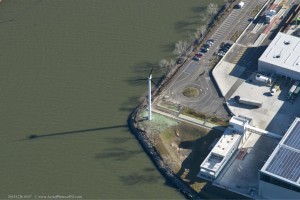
(69, 71)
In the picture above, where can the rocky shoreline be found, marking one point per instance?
(155, 157)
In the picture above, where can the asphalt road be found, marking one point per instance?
(196, 73)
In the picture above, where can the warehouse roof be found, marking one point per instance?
(283, 51)
(284, 162)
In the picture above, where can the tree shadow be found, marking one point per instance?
(118, 140)
(182, 26)
(143, 81)
(199, 9)
(119, 154)
(36, 136)
(168, 47)
(134, 179)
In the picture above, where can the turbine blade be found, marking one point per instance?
(150, 74)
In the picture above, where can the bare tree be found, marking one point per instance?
(211, 10)
(165, 64)
(199, 33)
(172, 63)
(181, 48)
(204, 18)
(227, 2)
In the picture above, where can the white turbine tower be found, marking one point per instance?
(149, 95)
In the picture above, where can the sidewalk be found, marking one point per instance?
(191, 120)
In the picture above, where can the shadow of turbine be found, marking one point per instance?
(33, 136)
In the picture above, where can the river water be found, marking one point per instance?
(69, 79)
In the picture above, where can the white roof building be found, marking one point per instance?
(224, 149)
(219, 155)
(282, 56)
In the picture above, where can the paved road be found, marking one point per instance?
(196, 73)
(244, 54)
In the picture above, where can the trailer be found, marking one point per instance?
(250, 102)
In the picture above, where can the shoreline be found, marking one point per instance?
(141, 136)
(156, 159)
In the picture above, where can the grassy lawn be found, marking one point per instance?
(204, 117)
(169, 105)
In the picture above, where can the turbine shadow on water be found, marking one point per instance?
(33, 136)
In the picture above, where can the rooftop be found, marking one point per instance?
(284, 162)
(215, 158)
(226, 142)
(283, 51)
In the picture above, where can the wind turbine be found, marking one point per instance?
(149, 95)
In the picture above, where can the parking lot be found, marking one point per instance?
(196, 73)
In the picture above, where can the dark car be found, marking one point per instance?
(206, 45)
(204, 50)
(199, 54)
(197, 57)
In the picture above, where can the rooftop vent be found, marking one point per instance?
(287, 42)
(276, 56)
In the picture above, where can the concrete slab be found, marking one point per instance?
(275, 115)
(223, 78)
(241, 173)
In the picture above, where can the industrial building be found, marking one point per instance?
(282, 57)
(280, 176)
(224, 149)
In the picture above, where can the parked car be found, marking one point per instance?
(210, 42)
(221, 53)
(199, 54)
(206, 46)
(204, 50)
(197, 57)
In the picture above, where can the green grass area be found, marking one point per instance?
(191, 92)
(205, 117)
(169, 105)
